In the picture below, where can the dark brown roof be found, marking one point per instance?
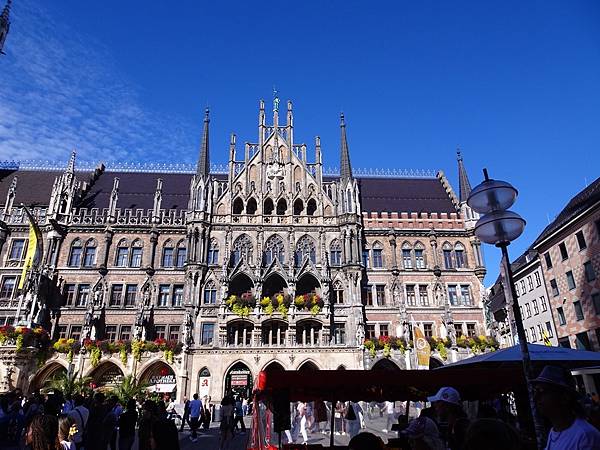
(583, 200)
(136, 191)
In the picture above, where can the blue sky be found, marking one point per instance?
(513, 83)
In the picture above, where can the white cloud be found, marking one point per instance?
(60, 90)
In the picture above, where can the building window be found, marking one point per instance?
(339, 333)
(208, 332)
(410, 295)
(365, 258)
(544, 304)
(335, 253)
(130, 294)
(536, 308)
(596, 302)
(8, 287)
(540, 331)
(167, 257)
(164, 293)
(110, 332)
(69, 294)
(452, 295)
(62, 331)
(523, 290)
(423, 295)
(428, 330)
(471, 332)
(370, 331)
(465, 293)
(210, 293)
(213, 252)
(530, 283)
(384, 329)
(75, 254)
(561, 316)
(380, 294)
(554, 287)
(578, 310)
(419, 259)
(570, 280)
(75, 332)
(581, 240)
(136, 257)
(125, 332)
(528, 309)
(549, 329)
(590, 275)
(533, 336)
(178, 295)
(116, 295)
(338, 293)
(407, 259)
(305, 249)
(174, 333)
(548, 259)
(368, 295)
(181, 256)
(517, 289)
(538, 280)
(377, 258)
(582, 341)
(122, 256)
(160, 331)
(89, 254)
(564, 342)
(459, 256)
(458, 330)
(448, 259)
(274, 250)
(563, 251)
(83, 293)
(17, 250)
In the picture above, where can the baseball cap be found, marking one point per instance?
(446, 394)
(418, 428)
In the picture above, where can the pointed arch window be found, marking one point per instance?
(75, 253)
(136, 254)
(274, 249)
(242, 249)
(407, 256)
(238, 206)
(338, 292)
(281, 207)
(377, 255)
(251, 206)
(89, 253)
(122, 254)
(268, 207)
(210, 293)
(419, 256)
(305, 248)
(311, 207)
(213, 252)
(459, 256)
(180, 254)
(335, 253)
(447, 251)
(167, 254)
(298, 207)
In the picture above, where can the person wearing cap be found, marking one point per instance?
(556, 399)
(452, 420)
(423, 434)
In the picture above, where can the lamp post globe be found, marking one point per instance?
(492, 195)
(499, 227)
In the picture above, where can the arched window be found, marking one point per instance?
(335, 253)
(242, 249)
(75, 253)
(297, 186)
(273, 332)
(122, 254)
(210, 293)
(136, 254)
(305, 248)
(447, 251)
(252, 186)
(407, 255)
(377, 255)
(181, 254)
(238, 206)
(274, 249)
(239, 333)
(268, 207)
(213, 252)
(281, 207)
(89, 253)
(311, 207)
(269, 186)
(251, 206)
(167, 254)
(460, 257)
(298, 207)
(308, 332)
(338, 292)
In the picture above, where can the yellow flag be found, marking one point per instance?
(546, 338)
(34, 248)
(423, 348)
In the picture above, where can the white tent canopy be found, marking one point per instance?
(540, 356)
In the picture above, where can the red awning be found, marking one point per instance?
(380, 385)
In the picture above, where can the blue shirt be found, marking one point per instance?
(195, 408)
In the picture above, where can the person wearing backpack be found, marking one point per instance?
(80, 415)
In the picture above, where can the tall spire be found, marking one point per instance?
(203, 168)
(71, 164)
(345, 168)
(464, 186)
(4, 24)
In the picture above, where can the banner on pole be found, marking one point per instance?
(422, 347)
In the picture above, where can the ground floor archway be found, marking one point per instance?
(106, 376)
(46, 374)
(239, 381)
(385, 364)
(160, 378)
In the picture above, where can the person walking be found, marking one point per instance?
(186, 413)
(303, 419)
(390, 415)
(80, 415)
(127, 422)
(557, 400)
(226, 427)
(239, 416)
(195, 414)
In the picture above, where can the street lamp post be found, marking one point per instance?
(499, 227)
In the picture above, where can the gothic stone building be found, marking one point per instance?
(143, 253)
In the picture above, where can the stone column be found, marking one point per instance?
(3, 235)
(394, 254)
(105, 250)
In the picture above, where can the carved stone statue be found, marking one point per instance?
(438, 293)
(360, 335)
(449, 325)
(188, 327)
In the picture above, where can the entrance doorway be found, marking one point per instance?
(238, 380)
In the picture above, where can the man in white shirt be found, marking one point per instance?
(80, 415)
(390, 413)
(556, 399)
(195, 413)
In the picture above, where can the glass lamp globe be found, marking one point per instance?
(499, 227)
(492, 195)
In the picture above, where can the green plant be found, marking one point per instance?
(137, 347)
(129, 388)
(69, 383)
(123, 355)
(269, 309)
(95, 355)
(283, 310)
(387, 350)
